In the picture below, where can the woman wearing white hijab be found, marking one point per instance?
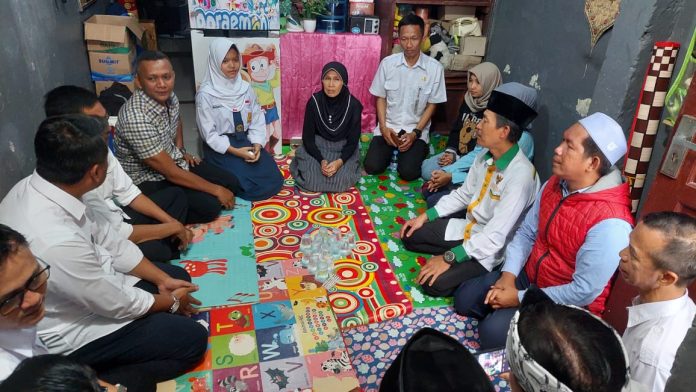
(232, 125)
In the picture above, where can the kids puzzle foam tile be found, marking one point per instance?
(285, 375)
(304, 286)
(196, 381)
(331, 371)
(273, 314)
(316, 325)
(221, 260)
(272, 289)
(234, 350)
(240, 378)
(231, 319)
(277, 343)
(270, 270)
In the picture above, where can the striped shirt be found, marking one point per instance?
(144, 129)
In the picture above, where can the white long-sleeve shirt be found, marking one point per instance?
(90, 293)
(498, 194)
(214, 119)
(116, 188)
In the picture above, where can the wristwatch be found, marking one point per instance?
(418, 132)
(175, 305)
(449, 257)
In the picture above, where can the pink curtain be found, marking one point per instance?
(303, 55)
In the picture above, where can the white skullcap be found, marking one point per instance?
(607, 134)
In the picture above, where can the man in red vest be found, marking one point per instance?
(569, 242)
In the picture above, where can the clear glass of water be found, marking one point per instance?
(314, 259)
(306, 248)
(323, 267)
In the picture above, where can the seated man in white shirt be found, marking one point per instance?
(22, 289)
(107, 306)
(660, 261)
(499, 189)
(407, 86)
(153, 223)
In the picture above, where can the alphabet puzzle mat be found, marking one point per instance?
(289, 341)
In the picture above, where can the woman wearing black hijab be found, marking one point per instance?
(329, 160)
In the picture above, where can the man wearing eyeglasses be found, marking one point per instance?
(107, 305)
(22, 288)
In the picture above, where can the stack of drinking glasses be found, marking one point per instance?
(322, 247)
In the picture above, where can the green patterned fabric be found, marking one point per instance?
(391, 202)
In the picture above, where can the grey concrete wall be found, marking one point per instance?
(546, 44)
(41, 48)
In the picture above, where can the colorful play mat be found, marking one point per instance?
(273, 327)
(368, 290)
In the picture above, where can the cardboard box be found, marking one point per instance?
(112, 33)
(462, 62)
(472, 46)
(366, 9)
(149, 41)
(452, 12)
(100, 86)
(112, 66)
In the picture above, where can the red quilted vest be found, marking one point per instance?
(563, 225)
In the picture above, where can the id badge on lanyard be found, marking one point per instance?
(239, 133)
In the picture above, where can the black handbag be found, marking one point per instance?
(433, 361)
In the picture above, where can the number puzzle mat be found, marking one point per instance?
(368, 290)
(289, 341)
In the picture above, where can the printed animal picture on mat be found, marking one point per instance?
(332, 371)
(285, 375)
(195, 382)
(198, 268)
(293, 267)
(277, 343)
(269, 269)
(227, 320)
(273, 314)
(241, 378)
(305, 286)
(234, 350)
(270, 290)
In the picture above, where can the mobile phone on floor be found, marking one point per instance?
(493, 361)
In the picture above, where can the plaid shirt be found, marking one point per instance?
(144, 129)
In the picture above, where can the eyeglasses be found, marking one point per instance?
(13, 301)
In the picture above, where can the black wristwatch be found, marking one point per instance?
(418, 132)
(449, 257)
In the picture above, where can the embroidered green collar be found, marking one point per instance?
(503, 162)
